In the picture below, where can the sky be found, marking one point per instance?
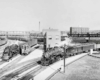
(24, 15)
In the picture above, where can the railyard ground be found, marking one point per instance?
(98, 55)
(86, 68)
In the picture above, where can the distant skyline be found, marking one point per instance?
(24, 15)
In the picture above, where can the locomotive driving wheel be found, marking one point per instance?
(58, 58)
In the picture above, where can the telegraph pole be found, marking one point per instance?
(64, 57)
(44, 43)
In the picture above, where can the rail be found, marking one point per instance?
(93, 56)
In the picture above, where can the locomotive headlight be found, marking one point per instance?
(46, 55)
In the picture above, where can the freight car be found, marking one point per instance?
(56, 54)
(22, 49)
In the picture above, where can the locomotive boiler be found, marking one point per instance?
(10, 51)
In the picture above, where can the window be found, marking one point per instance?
(57, 37)
(49, 37)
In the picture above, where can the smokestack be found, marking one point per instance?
(39, 26)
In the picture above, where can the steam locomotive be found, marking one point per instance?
(22, 49)
(57, 53)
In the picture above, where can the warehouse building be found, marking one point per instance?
(52, 36)
(79, 30)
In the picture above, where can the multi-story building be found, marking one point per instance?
(53, 37)
(64, 34)
(79, 30)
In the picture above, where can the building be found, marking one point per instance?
(79, 30)
(64, 34)
(52, 36)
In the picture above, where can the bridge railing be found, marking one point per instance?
(84, 35)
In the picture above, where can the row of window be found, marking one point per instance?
(56, 37)
(51, 38)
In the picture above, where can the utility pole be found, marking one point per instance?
(44, 43)
(64, 56)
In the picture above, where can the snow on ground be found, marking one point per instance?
(22, 74)
(11, 61)
(26, 72)
(35, 54)
(86, 68)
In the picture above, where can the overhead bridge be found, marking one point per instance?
(84, 35)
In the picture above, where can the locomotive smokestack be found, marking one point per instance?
(45, 49)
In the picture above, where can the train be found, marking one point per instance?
(22, 49)
(57, 53)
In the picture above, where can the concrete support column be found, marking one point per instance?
(91, 51)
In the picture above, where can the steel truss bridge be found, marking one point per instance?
(84, 35)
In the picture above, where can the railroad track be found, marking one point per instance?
(32, 72)
(32, 69)
(18, 71)
(6, 66)
(18, 67)
(23, 75)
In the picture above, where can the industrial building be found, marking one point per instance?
(79, 30)
(64, 34)
(52, 36)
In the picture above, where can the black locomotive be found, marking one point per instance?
(56, 54)
(22, 49)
